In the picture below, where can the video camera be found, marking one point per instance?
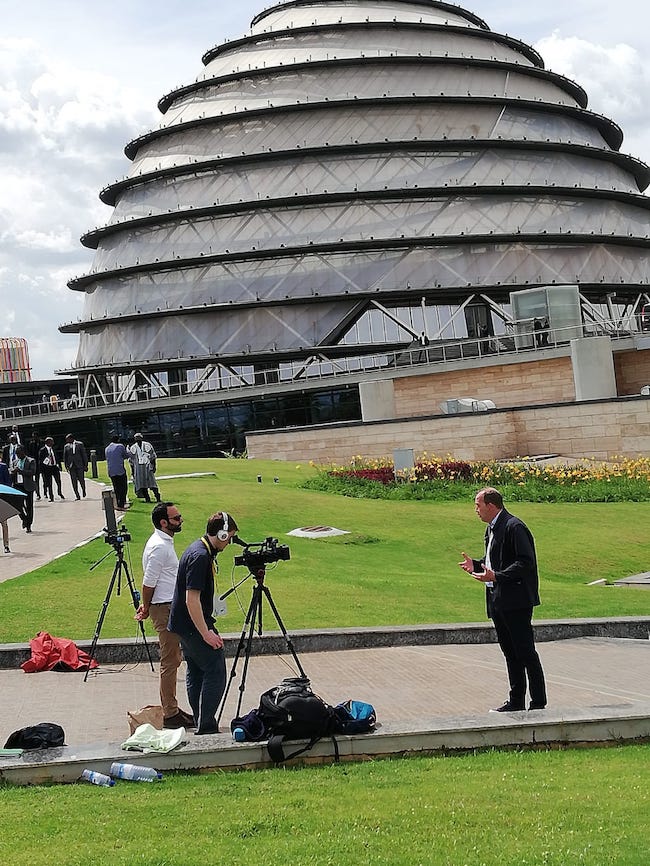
(256, 556)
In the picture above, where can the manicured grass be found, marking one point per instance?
(586, 807)
(397, 566)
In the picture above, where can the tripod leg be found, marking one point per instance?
(135, 599)
(257, 614)
(102, 614)
(244, 643)
(278, 619)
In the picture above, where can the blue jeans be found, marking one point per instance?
(205, 680)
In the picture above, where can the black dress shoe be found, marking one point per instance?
(176, 721)
(533, 706)
(211, 730)
(508, 707)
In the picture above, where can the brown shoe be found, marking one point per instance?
(189, 718)
(176, 721)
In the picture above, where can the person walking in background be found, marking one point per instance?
(509, 571)
(9, 451)
(159, 568)
(116, 454)
(5, 478)
(50, 469)
(76, 462)
(33, 448)
(143, 464)
(24, 478)
(192, 619)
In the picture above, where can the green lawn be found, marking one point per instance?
(587, 806)
(397, 566)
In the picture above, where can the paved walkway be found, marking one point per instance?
(58, 527)
(403, 683)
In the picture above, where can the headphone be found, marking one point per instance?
(222, 534)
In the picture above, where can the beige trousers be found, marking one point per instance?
(170, 658)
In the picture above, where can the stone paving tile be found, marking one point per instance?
(404, 683)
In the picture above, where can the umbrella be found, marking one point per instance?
(7, 511)
(9, 501)
(10, 491)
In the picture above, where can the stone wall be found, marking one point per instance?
(632, 370)
(523, 384)
(602, 429)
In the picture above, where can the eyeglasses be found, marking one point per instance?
(176, 517)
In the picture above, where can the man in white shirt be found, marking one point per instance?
(159, 567)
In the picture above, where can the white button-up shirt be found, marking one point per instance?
(160, 566)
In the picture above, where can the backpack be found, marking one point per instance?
(355, 717)
(42, 736)
(292, 711)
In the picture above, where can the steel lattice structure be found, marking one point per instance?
(346, 162)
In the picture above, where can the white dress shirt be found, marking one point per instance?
(160, 566)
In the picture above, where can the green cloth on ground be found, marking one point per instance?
(146, 738)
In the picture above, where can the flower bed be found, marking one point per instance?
(522, 478)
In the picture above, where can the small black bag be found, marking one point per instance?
(252, 726)
(292, 711)
(45, 735)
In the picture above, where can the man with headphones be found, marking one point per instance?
(192, 619)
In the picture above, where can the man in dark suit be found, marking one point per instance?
(24, 478)
(50, 469)
(76, 462)
(9, 451)
(509, 571)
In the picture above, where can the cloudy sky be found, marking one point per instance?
(78, 80)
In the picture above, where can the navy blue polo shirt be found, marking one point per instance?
(195, 571)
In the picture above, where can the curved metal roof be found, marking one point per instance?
(350, 152)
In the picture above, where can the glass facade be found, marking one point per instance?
(212, 430)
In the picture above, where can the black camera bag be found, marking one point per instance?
(45, 735)
(292, 711)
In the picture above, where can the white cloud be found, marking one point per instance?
(62, 132)
(614, 77)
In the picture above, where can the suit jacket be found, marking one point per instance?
(74, 454)
(514, 563)
(44, 454)
(6, 451)
(28, 473)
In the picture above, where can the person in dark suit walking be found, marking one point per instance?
(76, 462)
(50, 469)
(509, 571)
(24, 478)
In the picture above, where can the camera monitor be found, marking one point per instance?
(109, 510)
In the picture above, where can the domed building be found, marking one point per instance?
(358, 186)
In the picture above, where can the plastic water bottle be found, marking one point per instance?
(134, 773)
(239, 735)
(98, 778)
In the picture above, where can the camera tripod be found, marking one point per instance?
(252, 623)
(117, 543)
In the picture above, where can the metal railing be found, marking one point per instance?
(433, 354)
